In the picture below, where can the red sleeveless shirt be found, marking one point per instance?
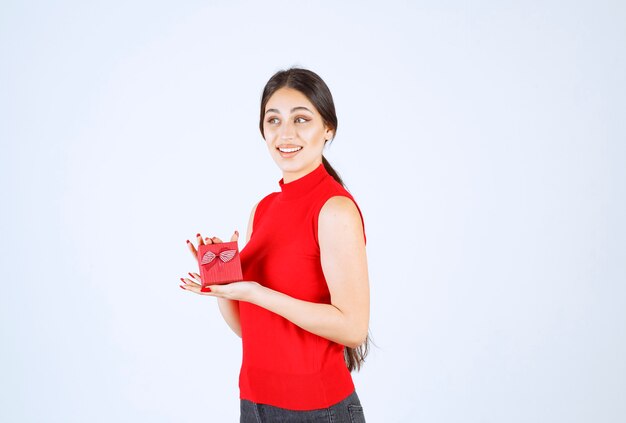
(284, 365)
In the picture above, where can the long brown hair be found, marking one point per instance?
(316, 90)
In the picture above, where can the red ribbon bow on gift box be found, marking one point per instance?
(225, 255)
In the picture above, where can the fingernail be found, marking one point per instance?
(182, 280)
(197, 234)
(207, 289)
(181, 287)
(189, 273)
(237, 232)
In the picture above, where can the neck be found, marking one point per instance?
(292, 176)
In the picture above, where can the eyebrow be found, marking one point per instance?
(292, 110)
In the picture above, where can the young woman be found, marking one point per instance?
(302, 310)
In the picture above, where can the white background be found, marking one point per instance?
(484, 142)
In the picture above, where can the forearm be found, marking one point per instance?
(324, 320)
(230, 313)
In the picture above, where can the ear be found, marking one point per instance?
(329, 133)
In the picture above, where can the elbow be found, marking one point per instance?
(356, 338)
(353, 345)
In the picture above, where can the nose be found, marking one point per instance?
(287, 131)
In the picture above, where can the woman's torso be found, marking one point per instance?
(284, 365)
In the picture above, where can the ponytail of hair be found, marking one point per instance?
(332, 172)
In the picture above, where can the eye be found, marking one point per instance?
(301, 120)
(272, 120)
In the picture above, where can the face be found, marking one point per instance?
(294, 132)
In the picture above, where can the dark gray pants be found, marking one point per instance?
(349, 411)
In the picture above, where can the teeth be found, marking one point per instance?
(289, 150)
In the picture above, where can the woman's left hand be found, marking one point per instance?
(240, 291)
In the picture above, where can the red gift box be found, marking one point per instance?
(219, 264)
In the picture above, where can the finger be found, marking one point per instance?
(235, 236)
(186, 286)
(207, 240)
(195, 288)
(195, 276)
(216, 240)
(192, 249)
(199, 238)
(189, 282)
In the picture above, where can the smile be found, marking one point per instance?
(289, 150)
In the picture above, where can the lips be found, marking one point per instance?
(289, 149)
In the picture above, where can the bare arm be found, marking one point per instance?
(230, 308)
(344, 262)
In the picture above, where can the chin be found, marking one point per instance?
(295, 164)
(289, 165)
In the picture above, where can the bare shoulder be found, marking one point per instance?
(339, 211)
(251, 221)
(254, 208)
